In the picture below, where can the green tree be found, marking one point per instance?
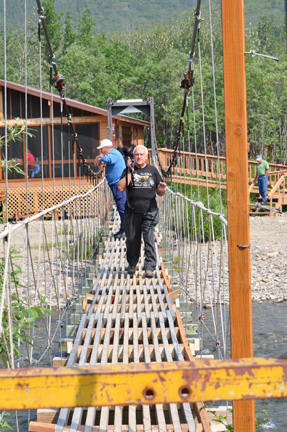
(86, 32)
(54, 25)
(79, 65)
(69, 33)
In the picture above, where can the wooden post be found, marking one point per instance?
(237, 197)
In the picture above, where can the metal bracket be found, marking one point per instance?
(253, 54)
(259, 206)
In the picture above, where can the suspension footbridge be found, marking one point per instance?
(128, 320)
(129, 357)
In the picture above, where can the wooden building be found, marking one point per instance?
(52, 138)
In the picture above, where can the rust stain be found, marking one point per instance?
(20, 385)
(217, 386)
(161, 378)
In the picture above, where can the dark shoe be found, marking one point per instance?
(131, 270)
(120, 234)
(149, 273)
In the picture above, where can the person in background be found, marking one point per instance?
(31, 162)
(115, 165)
(142, 182)
(262, 171)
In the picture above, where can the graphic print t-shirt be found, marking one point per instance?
(142, 194)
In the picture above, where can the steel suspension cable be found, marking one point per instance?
(215, 105)
(59, 83)
(203, 117)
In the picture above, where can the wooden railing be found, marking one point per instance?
(277, 196)
(199, 167)
(193, 166)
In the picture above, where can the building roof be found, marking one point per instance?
(70, 102)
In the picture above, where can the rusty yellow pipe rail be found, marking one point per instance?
(155, 383)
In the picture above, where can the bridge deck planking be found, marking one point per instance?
(131, 319)
(91, 412)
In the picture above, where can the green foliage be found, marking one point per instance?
(222, 419)
(85, 249)
(266, 92)
(22, 314)
(259, 424)
(150, 62)
(203, 226)
(69, 33)
(212, 227)
(14, 134)
(122, 16)
(3, 421)
(53, 23)
(85, 28)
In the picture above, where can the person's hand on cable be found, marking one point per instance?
(97, 162)
(161, 189)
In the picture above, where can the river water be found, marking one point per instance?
(269, 340)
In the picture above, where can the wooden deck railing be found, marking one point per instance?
(199, 167)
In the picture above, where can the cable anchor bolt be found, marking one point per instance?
(253, 53)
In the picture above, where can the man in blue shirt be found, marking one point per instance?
(115, 164)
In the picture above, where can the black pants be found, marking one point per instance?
(137, 224)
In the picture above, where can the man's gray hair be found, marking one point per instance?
(140, 146)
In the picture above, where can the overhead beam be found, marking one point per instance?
(56, 121)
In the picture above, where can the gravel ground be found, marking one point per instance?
(268, 236)
(268, 239)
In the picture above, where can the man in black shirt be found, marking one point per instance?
(142, 183)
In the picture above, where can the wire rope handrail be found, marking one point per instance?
(73, 244)
(199, 205)
(11, 228)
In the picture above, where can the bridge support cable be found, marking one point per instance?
(217, 144)
(122, 319)
(48, 275)
(197, 231)
(58, 246)
(48, 261)
(59, 83)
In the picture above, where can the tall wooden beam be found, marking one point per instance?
(237, 197)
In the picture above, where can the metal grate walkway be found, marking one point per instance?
(128, 319)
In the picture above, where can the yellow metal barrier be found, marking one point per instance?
(132, 384)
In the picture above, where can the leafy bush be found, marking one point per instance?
(22, 315)
(204, 226)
